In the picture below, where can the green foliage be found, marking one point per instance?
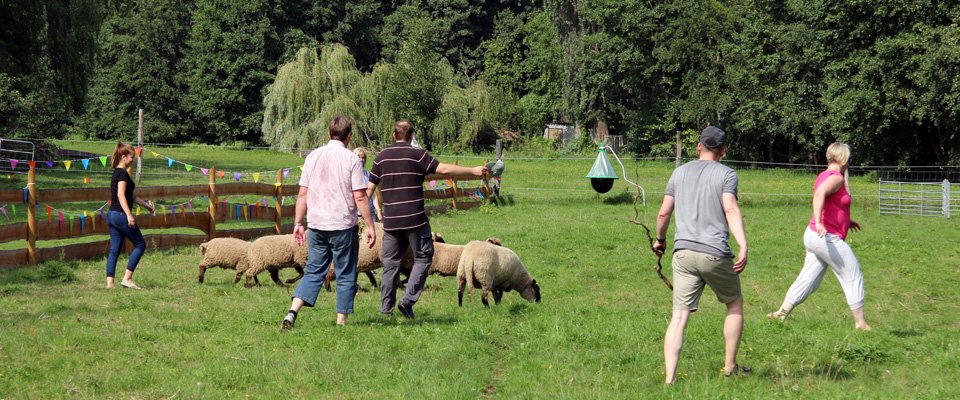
(229, 58)
(60, 271)
(142, 46)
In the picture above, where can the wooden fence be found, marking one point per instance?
(205, 221)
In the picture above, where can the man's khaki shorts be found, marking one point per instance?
(691, 270)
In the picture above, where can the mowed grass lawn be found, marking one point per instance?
(597, 334)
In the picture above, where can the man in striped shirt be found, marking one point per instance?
(399, 170)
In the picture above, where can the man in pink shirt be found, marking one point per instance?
(332, 190)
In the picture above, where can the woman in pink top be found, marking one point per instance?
(824, 241)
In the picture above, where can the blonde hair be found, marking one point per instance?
(360, 152)
(838, 153)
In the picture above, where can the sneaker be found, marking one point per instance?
(406, 311)
(288, 322)
(130, 285)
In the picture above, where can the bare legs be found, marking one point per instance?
(673, 339)
(127, 277)
(673, 342)
(298, 303)
(732, 331)
(859, 321)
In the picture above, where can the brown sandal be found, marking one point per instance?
(738, 370)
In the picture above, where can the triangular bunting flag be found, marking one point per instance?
(67, 164)
(32, 164)
(49, 164)
(220, 174)
(103, 161)
(205, 171)
(86, 163)
(256, 177)
(13, 163)
(238, 175)
(169, 162)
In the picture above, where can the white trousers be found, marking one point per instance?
(832, 251)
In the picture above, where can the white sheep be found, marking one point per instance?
(272, 253)
(369, 259)
(226, 253)
(446, 257)
(494, 268)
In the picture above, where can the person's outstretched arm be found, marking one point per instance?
(451, 169)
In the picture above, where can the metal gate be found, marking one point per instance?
(13, 151)
(936, 199)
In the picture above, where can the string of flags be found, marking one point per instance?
(220, 174)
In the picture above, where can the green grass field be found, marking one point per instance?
(597, 334)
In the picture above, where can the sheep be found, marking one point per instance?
(369, 259)
(273, 252)
(226, 253)
(494, 268)
(446, 257)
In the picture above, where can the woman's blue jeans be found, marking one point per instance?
(117, 221)
(341, 247)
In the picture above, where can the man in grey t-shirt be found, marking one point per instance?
(704, 194)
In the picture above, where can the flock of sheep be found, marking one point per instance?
(485, 265)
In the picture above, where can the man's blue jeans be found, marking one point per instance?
(342, 247)
(117, 221)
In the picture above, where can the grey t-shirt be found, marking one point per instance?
(697, 188)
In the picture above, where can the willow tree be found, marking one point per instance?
(466, 118)
(307, 91)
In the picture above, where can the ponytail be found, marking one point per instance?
(121, 150)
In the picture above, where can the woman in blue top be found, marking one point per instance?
(120, 217)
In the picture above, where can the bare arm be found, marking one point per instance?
(301, 210)
(829, 186)
(663, 222)
(451, 169)
(122, 197)
(735, 222)
(363, 204)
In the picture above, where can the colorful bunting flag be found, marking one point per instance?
(237, 175)
(188, 167)
(86, 163)
(205, 171)
(13, 163)
(220, 174)
(67, 164)
(256, 177)
(286, 173)
(4, 209)
(49, 164)
(169, 162)
(32, 164)
(103, 161)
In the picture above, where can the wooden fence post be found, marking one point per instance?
(32, 216)
(279, 196)
(453, 182)
(212, 197)
(139, 143)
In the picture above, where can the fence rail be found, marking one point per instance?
(939, 199)
(44, 227)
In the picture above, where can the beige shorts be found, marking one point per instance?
(692, 270)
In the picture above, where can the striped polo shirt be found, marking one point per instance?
(400, 170)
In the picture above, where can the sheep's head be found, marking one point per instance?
(437, 237)
(495, 241)
(532, 292)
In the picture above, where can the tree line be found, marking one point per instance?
(783, 78)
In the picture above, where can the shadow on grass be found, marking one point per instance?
(396, 320)
(829, 371)
(622, 198)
